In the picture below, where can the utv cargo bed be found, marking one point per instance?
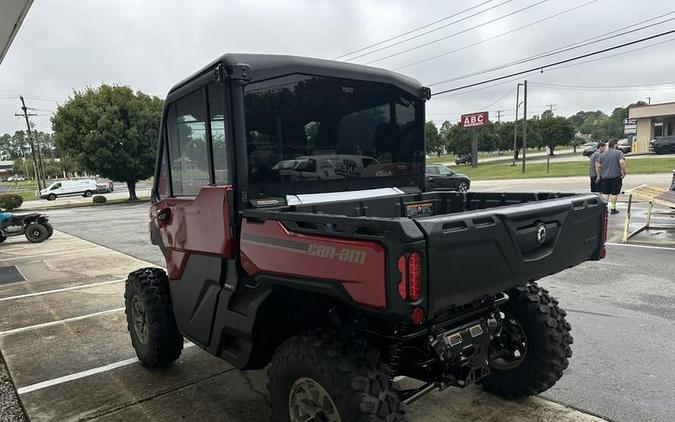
(476, 244)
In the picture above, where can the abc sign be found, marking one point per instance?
(474, 119)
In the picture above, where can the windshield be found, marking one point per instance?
(303, 128)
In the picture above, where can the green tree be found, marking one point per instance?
(110, 131)
(434, 142)
(556, 131)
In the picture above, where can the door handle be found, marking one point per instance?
(164, 216)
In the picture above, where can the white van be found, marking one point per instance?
(84, 187)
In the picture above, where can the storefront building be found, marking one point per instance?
(652, 120)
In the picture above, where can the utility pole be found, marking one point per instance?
(515, 125)
(649, 100)
(550, 108)
(524, 124)
(499, 116)
(38, 176)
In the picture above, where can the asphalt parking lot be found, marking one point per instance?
(64, 339)
(70, 358)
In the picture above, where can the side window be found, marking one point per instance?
(163, 181)
(218, 133)
(432, 170)
(188, 152)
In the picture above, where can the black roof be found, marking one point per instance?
(266, 66)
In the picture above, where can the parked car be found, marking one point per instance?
(589, 150)
(104, 186)
(35, 226)
(625, 146)
(84, 187)
(439, 177)
(463, 159)
(662, 145)
(364, 277)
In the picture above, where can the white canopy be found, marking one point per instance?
(12, 13)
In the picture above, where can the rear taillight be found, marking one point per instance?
(403, 284)
(415, 276)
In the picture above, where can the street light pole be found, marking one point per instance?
(515, 125)
(524, 123)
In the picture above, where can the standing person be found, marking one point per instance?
(611, 169)
(592, 167)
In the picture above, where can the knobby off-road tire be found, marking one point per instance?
(50, 229)
(354, 380)
(36, 233)
(548, 344)
(2, 238)
(150, 320)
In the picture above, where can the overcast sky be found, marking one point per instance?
(66, 45)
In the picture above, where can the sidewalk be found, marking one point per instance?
(68, 201)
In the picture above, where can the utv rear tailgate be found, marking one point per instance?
(475, 253)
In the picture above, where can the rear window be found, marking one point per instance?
(304, 128)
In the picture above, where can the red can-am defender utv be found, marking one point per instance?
(289, 203)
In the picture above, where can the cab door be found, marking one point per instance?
(192, 212)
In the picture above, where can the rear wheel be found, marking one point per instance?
(150, 320)
(315, 377)
(2, 238)
(532, 349)
(87, 194)
(36, 233)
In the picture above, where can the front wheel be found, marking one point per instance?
(36, 233)
(87, 194)
(463, 186)
(150, 320)
(532, 349)
(315, 377)
(49, 227)
(51, 197)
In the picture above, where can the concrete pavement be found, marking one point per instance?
(63, 335)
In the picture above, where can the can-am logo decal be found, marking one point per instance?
(342, 254)
(354, 256)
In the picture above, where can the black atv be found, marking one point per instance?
(35, 226)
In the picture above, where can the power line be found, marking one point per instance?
(614, 55)
(571, 59)
(609, 88)
(454, 33)
(411, 31)
(496, 36)
(549, 53)
(499, 99)
(430, 31)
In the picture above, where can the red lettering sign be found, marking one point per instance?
(474, 119)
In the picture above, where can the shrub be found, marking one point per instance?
(10, 201)
(99, 199)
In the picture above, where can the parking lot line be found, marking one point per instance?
(48, 253)
(61, 321)
(665, 248)
(65, 289)
(82, 374)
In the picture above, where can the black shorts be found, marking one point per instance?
(595, 187)
(611, 186)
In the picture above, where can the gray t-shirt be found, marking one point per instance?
(591, 165)
(609, 160)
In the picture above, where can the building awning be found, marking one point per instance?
(12, 14)
(653, 110)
